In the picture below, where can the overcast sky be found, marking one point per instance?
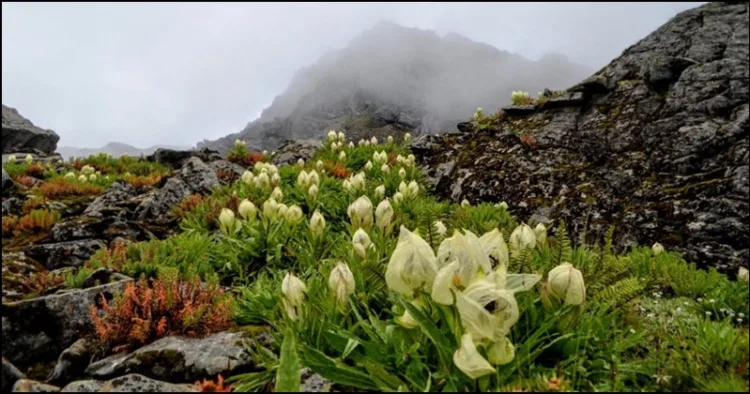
(176, 73)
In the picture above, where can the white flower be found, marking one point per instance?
(262, 181)
(12, 159)
(495, 247)
(313, 191)
(294, 214)
(743, 274)
(390, 139)
(360, 242)
(341, 136)
(277, 194)
(303, 180)
(319, 165)
(86, 170)
(410, 160)
(265, 153)
(294, 291)
(247, 177)
(465, 203)
(708, 313)
(247, 210)
(358, 181)
(317, 223)
(351, 145)
(380, 157)
(384, 168)
(398, 197)
(360, 213)
(239, 143)
(226, 221)
(332, 135)
(469, 361)
(501, 352)
(341, 282)
(70, 174)
(270, 209)
(540, 231)
(82, 178)
(301, 162)
(29, 159)
(440, 228)
(407, 137)
(347, 185)
(92, 177)
(412, 264)
(368, 165)
(406, 320)
(380, 191)
(281, 211)
(565, 283)
(523, 237)
(383, 215)
(374, 140)
(503, 205)
(657, 249)
(313, 177)
(402, 173)
(459, 259)
(342, 156)
(367, 142)
(334, 146)
(275, 178)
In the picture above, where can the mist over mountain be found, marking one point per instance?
(115, 149)
(401, 78)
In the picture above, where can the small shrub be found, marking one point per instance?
(32, 204)
(226, 176)
(337, 170)
(140, 182)
(148, 310)
(60, 187)
(35, 170)
(41, 281)
(528, 140)
(187, 205)
(26, 181)
(35, 222)
(210, 386)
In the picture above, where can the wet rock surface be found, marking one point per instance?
(656, 143)
(131, 383)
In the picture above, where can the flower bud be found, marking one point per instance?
(294, 291)
(317, 224)
(470, 361)
(341, 136)
(347, 185)
(303, 180)
(247, 210)
(270, 209)
(265, 153)
(384, 168)
(319, 165)
(29, 159)
(358, 181)
(501, 352)
(82, 178)
(301, 162)
(743, 275)
(294, 214)
(277, 194)
(374, 140)
(657, 249)
(503, 205)
(281, 211)
(367, 142)
(313, 177)
(247, 177)
(341, 283)
(413, 189)
(383, 215)
(275, 178)
(380, 191)
(412, 265)
(334, 146)
(368, 165)
(361, 143)
(70, 174)
(313, 191)
(398, 197)
(361, 241)
(411, 159)
(12, 159)
(565, 283)
(402, 173)
(465, 203)
(332, 135)
(360, 213)
(92, 177)
(540, 232)
(226, 221)
(262, 181)
(407, 137)
(342, 156)
(239, 143)
(523, 237)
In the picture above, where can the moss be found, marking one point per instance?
(250, 331)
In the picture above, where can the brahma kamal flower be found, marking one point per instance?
(374, 140)
(398, 197)
(361, 143)
(319, 165)
(347, 185)
(501, 352)
(460, 259)
(301, 162)
(495, 247)
(465, 203)
(743, 275)
(12, 159)
(270, 209)
(313, 191)
(317, 223)
(385, 168)
(313, 177)
(503, 205)
(360, 213)
(361, 242)
(247, 210)
(367, 142)
(540, 232)
(412, 264)
(82, 178)
(86, 170)
(486, 311)
(334, 146)
(92, 177)
(265, 153)
(262, 180)
(248, 177)
(303, 180)
(351, 145)
(407, 320)
(294, 292)
(380, 191)
(358, 181)
(332, 136)
(277, 194)
(29, 159)
(239, 143)
(468, 359)
(390, 139)
(411, 160)
(294, 214)
(341, 282)
(226, 221)
(368, 165)
(413, 189)
(380, 157)
(275, 178)
(384, 215)
(341, 136)
(342, 156)
(565, 283)
(407, 137)
(70, 174)
(402, 173)
(523, 237)
(657, 249)
(281, 211)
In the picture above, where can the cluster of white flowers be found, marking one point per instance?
(239, 143)
(518, 95)
(355, 182)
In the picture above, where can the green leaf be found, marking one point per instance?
(391, 382)
(335, 371)
(288, 374)
(442, 344)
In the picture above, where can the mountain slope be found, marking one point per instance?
(400, 78)
(115, 149)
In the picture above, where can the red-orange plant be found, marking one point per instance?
(140, 182)
(41, 281)
(226, 176)
(528, 140)
(209, 386)
(35, 222)
(187, 205)
(59, 187)
(32, 204)
(9, 224)
(113, 257)
(338, 170)
(148, 310)
(245, 159)
(35, 170)
(25, 180)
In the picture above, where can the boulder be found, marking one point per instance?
(11, 375)
(291, 151)
(16, 268)
(656, 143)
(111, 202)
(64, 254)
(20, 135)
(72, 362)
(8, 186)
(39, 329)
(177, 158)
(181, 359)
(311, 382)
(108, 228)
(131, 383)
(32, 386)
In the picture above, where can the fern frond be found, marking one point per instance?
(620, 292)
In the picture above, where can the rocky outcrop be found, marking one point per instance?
(39, 329)
(72, 362)
(10, 376)
(180, 359)
(64, 254)
(8, 186)
(291, 151)
(131, 383)
(656, 143)
(177, 158)
(20, 135)
(110, 203)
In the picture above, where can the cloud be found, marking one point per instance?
(176, 73)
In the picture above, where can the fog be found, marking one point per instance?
(177, 73)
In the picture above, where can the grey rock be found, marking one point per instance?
(111, 201)
(658, 146)
(519, 109)
(72, 362)
(64, 254)
(179, 359)
(20, 135)
(569, 100)
(131, 383)
(8, 186)
(16, 268)
(177, 158)
(291, 151)
(11, 375)
(32, 386)
(194, 177)
(12, 206)
(311, 382)
(233, 170)
(107, 228)
(39, 329)
(37, 156)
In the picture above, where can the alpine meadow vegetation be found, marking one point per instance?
(358, 273)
